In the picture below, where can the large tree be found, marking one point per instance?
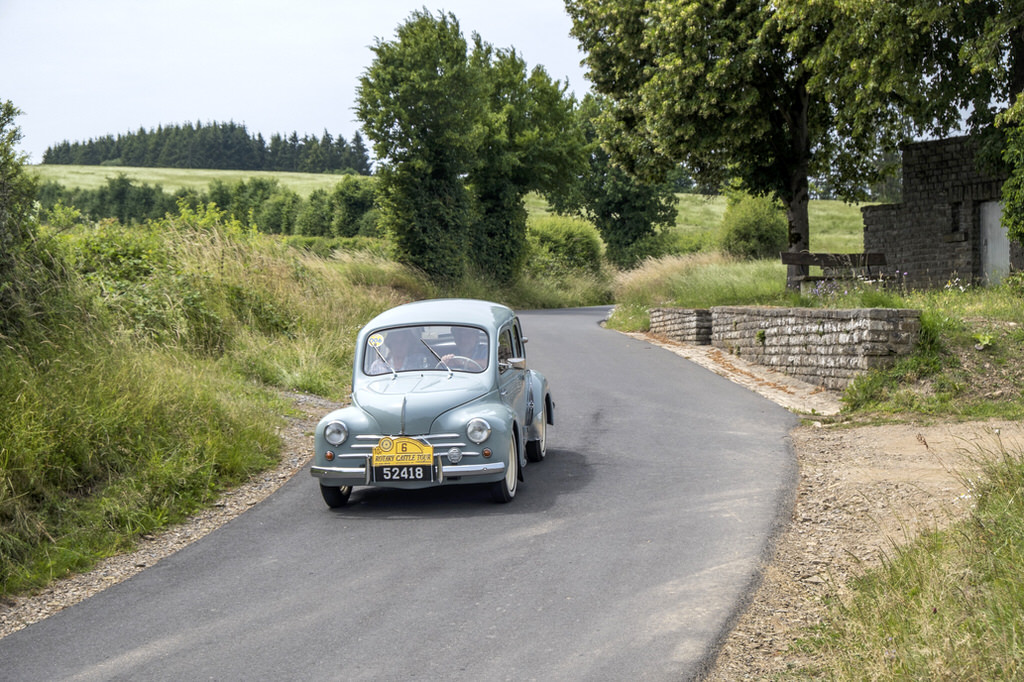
(532, 143)
(461, 136)
(927, 67)
(710, 85)
(914, 67)
(728, 88)
(421, 103)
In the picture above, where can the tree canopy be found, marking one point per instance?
(421, 104)
(924, 67)
(713, 86)
(917, 67)
(532, 143)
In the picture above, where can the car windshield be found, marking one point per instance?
(444, 347)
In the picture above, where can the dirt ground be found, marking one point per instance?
(861, 490)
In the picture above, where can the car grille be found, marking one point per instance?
(439, 441)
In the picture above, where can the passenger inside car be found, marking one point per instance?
(402, 351)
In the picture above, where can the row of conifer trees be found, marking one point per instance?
(222, 146)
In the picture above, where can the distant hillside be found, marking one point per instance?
(174, 179)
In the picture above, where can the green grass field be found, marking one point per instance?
(171, 179)
(835, 226)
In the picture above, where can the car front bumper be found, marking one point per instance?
(357, 471)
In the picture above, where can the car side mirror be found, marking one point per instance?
(517, 363)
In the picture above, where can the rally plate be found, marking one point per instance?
(402, 460)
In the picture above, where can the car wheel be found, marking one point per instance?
(505, 489)
(537, 450)
(335, 496)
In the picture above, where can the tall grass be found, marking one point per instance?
(146, 381)
(695, 281)
(102, 440)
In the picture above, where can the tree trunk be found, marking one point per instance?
(797, 201)
(799, 231)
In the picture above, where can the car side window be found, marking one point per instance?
(505, 347)
(520, 347)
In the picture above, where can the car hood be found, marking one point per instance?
(410, 402)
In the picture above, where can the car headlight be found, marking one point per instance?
(336, 433)
(478, 430)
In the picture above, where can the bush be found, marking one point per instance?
(564, 244)
(753, 227)
(120, 198)
(277, 215)
(353, 199)
(146, 292)
(314, 219)
(17, 220)
(369, 224)
(1013, 188)
(243, 200)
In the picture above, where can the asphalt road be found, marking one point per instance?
(624, 555)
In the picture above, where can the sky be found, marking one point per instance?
(81, 69)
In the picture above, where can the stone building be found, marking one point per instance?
(948, 225)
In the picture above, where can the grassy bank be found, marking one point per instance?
(949, 604)
(141, 383)
(945, 607)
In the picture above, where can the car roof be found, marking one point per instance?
(444, 311)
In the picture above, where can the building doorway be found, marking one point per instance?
(995, 244)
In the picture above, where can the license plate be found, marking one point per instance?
(402, 460)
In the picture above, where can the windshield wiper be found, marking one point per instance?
(434, 353)
(394, 374)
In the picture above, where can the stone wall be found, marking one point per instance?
(934, 235)
(687, 325)
(820, 346)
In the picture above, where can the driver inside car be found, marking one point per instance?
(470, 349)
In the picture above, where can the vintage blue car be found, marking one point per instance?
(441, 395)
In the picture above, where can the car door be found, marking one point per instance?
(512, 372)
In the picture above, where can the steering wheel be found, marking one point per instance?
(466, 362)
